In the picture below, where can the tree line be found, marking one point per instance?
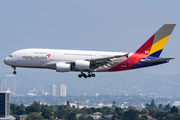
(37, 111)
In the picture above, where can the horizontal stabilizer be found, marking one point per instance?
(156, 60)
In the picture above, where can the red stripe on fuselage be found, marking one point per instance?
(140, 54)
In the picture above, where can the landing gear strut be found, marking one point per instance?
(14, 70)
(85, 76)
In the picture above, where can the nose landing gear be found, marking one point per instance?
(14, 70)
(85, 76)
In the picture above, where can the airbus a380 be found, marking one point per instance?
(94, 61)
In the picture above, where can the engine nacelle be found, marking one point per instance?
(63, 67)
(82, 65)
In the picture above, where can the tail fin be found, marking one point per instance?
(154, 46)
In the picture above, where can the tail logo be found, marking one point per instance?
(146, 52)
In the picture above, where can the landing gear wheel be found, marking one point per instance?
(93, 75)
(85, 76)
(89, 75)
(79, 75)
(14, 72)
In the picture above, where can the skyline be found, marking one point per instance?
(133, 84)
(8, 83)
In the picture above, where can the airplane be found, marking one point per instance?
(94, 61)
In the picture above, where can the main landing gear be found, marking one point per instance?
(14, 70)
(85, 76)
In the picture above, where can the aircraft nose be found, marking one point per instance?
(6, 61)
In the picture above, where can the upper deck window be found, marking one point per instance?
(78, 54)
(40, 53)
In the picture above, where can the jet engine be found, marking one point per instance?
(63, 67)
(82, 65)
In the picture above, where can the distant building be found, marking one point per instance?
(5, 106)
(148, 116)
(107, 105)
(5, 103)
(176, 103)
(108, 117)
(31, 94)
(76, 105)
(53, 90)
(23, 117)
(1, 84)
(96, 115)
(46, 93)
(32, 91)
(63, 90)
(35, 92)
(100, 105)
(10, 83)
(40, 92)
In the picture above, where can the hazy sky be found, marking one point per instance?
(100, 25)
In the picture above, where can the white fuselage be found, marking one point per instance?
(41, 58)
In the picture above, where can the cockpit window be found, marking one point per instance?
(9, 55)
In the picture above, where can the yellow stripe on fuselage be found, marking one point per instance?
(159, 45)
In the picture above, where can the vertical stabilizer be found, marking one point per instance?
(154, 46)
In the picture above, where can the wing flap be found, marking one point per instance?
(105, 59)
(103, 62)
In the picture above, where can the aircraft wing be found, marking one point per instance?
(98, 62)
(156, 60)
(103, 62)
(105, 58)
